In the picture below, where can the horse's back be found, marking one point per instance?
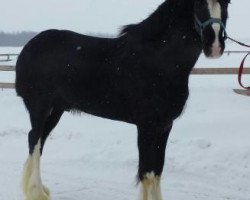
(53, 55)
(68, 67)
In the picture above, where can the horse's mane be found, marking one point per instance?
(163, 17)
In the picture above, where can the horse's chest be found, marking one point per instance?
(163, 100)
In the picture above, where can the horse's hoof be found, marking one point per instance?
(46, 190)
(38, 194)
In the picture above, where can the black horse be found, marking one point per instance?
(140, 77)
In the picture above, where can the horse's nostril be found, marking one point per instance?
(216, 45)
(216, 51)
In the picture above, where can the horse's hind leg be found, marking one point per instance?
(32, 182)
(33, 189)
(152, 140)
(51, 122)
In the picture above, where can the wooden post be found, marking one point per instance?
(7, 68)
(218, 71)
(7, 85)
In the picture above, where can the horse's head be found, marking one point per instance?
(210, 18)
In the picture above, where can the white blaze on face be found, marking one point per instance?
(215, 12)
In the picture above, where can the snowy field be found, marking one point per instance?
(208, 152)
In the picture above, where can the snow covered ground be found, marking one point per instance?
(208, 153)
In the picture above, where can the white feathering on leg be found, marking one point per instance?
(32, 182)
(150, 187)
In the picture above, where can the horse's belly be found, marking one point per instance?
(101, 107)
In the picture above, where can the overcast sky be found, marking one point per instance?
(97, 16)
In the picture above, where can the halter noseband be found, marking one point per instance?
(199, 26)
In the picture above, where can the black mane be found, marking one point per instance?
(161, 19)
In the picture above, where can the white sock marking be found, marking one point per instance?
(150, 187)
(32, 182)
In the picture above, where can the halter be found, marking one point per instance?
(199, 26)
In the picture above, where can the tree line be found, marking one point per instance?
(19, 39)
(15, 39)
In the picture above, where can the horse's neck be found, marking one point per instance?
(168, 13)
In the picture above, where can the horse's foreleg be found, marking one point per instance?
(152, 144)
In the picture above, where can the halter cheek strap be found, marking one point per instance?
(199, 26)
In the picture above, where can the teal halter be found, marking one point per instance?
(199, 26)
